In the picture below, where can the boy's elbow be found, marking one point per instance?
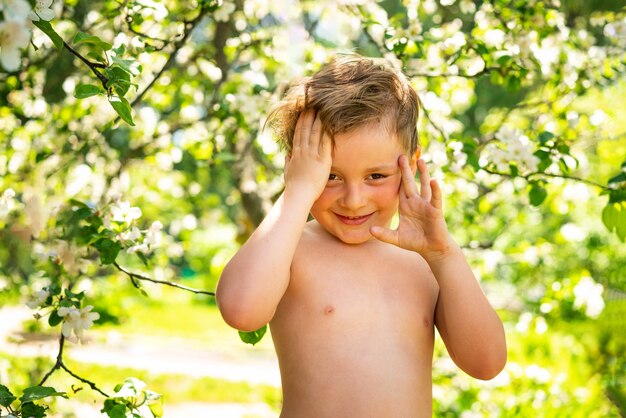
(491, 368)
(241, 321)
(237, 314)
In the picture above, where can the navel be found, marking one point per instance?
(329, 309)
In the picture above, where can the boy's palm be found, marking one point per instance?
(421, 227)
(308, 165)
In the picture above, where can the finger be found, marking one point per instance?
(385, 235)
(297, 134)
(437, 199)
(325, 145)
(409, 187)
(307, 126)
(315, 138)
(425, 190)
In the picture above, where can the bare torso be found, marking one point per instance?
(354, 331)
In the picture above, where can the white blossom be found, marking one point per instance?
(123, 212)
(142, 248)
(225, 10)
(15, 9)
(517, 148)
(598, 117)
(38, 299)
(153, 236)
(459, 158)
(14, 35)
(588, 295)
(494, 38)
(77, 320)
(132, 234)
(467, 7)
(42, 11)
(617, 31)
(6, 202)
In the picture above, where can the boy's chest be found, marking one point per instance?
(351, 290)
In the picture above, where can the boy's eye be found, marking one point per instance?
(377, 176)
(332, 177)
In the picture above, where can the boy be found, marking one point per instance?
(351, 304)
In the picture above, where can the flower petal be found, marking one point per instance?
(46, 14)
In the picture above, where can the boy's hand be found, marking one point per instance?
(308, 166)
(422, 227)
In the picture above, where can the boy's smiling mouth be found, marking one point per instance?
(353, 220)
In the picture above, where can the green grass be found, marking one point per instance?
(176, 388)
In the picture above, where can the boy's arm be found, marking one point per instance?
(255, 279)
(469, 326)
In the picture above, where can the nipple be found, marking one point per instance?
(328, 310)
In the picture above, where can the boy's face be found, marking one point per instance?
(362, 189)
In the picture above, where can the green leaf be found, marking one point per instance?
(122, 107)
(83, 91)
(114, 409)
(156, 407)
(620, 228)
(75, 202)
(142, 257)
(537, 195)
(253, 337)
(129, 65)
(82, 213)
(609, 216)
(85, 38)
(618, 179)
(504, 59)
(6, 397)
(39, 392)
(545, 136)
(54, 319)
(108, 250)
(32, 410)
(46, 28)
(118, 79)
(120, 50)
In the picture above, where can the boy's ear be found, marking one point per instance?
(413, 160)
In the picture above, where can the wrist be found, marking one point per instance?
(299, 196)
(443, 253)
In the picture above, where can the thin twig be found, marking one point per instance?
(57, 363)
(91, 384)
(190, 26)
(540, 173)
(430, 120)
(137, 276)
(94, 66)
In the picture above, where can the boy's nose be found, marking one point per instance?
(353, 198)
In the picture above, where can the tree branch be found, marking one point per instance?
(539, 173)
(189, 27)
(136, 276)
(94, 66)
(91, 384)
(60, 365)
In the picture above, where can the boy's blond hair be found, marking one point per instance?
(350, 92)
